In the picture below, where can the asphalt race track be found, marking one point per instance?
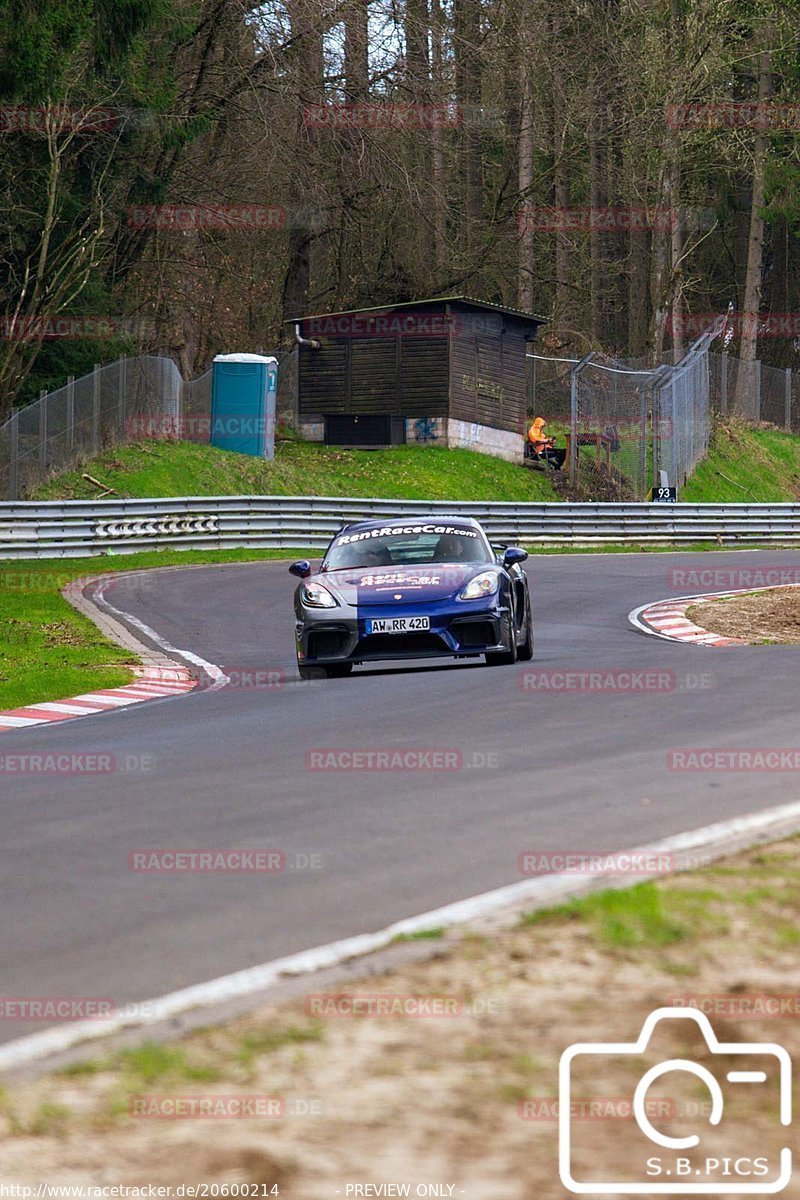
(541, 770)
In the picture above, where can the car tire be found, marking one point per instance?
(525, 651)
(503, 658)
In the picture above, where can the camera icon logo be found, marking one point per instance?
(658, 1162)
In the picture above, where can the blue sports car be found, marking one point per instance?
(415, 587)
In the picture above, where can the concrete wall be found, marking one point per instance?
(447, 432)
(312, 431)
(426, 431)
(485, 439)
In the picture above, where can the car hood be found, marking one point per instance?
(401, 585)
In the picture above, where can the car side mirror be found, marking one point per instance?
(514, 554)
(302, 568)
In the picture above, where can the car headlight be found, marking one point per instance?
(314, 595)
(485, 584)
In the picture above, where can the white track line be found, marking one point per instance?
(720, 838)
(217, 676)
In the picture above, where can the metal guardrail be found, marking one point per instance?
(77, 528)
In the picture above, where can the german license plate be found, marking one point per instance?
(398, 624)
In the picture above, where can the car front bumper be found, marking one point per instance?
(472, 629)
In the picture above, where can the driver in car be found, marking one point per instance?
(452, 548)
(366, 554)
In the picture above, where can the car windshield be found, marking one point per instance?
(386, 546)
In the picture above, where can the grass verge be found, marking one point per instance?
(48, 651)
(745, 465)
(165, 468)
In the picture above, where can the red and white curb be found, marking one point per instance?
(152, 683)
(667, 619)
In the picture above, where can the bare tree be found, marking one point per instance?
(755, 243)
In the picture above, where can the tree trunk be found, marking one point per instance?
(563, 252)
(350, 141)
(308, 90)
(676, 253)
(660, 263)
(673, 147)
(439, 179)
(778, 298)
(638, 299)
(466, 42)
(755, 246)
(417, 28)
(597, 202)
(525, 160)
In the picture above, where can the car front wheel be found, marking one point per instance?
(525, 652)
(504, 658)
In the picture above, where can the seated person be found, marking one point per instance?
(376, 554)
(543, 446)
(452, 548)
(365, 554)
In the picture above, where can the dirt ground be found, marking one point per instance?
(460, 1099)
(762, 617)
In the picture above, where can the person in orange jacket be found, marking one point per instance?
(544, 446)
(537, 437)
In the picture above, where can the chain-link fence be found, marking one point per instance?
(625, 422)
(603, 408)
(753, 391)
(124, 401)
(681, 414)
(195, 424)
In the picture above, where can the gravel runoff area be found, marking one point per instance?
(443, 1074)
(766, 617)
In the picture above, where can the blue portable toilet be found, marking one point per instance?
(243, 394)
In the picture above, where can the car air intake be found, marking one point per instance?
(327, 643)
(476, 633)
(381, 645)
